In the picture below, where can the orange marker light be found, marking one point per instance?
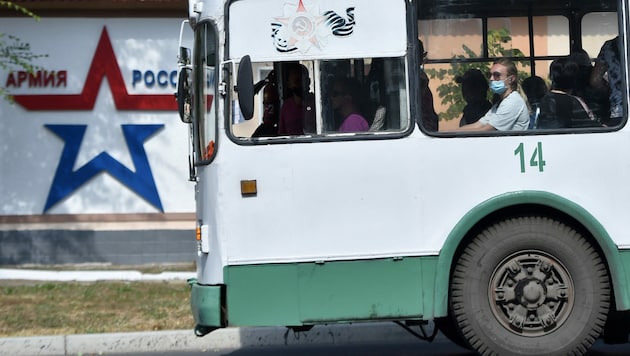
(248, 187)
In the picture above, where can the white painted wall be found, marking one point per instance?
(30, 153)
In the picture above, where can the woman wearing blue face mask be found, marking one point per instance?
(510, 111)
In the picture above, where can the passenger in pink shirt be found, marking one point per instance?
(344, 101)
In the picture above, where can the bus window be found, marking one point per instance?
(452, 38)
(597, 28)
(603, 89)
(536, 44)
(375, 99)
(378, 90)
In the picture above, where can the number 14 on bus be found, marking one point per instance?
(536, 158)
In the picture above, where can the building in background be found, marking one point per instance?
(93, 155)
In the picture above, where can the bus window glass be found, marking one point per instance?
(551, 36)
(450, 45)
(205, 73)
(597, 28)
(508, 36)
(601, 63)
(451, 38)
(602, 44)
(282, 90)
(326, 98)
(369, 89)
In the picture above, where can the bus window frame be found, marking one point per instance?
(410, 61)
(322, 135)
(575, 36)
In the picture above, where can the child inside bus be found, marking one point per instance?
(509, 111)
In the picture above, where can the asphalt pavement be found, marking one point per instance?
(180, 340)
(223, 339)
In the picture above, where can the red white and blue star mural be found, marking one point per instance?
(94, 129)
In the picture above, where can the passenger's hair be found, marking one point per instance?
(350, 86)
(563, 74)
(535, 88)
(474, 79)
(511, 70)
(581, 57)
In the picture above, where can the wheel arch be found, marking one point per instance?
(520, 203)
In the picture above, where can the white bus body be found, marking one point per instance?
(508, 237)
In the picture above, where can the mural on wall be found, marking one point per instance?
(107, 140)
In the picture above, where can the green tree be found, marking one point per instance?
(450, 92)
(16, 54)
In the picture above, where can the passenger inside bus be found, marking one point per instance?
(345, 102)
(559, 107)
(596, 99)
(430, 118)
(297, 115)
(269, 125)
(474, 86)
(509, 111)
(607, 75)
(535, 89)
(375, 87)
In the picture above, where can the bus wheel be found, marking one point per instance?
(448, 327)
(528, 286)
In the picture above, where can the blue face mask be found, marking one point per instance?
(498, 86)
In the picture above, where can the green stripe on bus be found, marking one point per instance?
(334, 291)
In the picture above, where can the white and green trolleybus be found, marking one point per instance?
(511, 242)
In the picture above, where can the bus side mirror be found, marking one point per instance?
(245, 88)
(184, 56)
(183, 95)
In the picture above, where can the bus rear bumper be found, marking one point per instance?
(206, 303)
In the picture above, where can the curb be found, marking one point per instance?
(90, 276)
(223, 339)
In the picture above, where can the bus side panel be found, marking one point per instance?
(622, 297)
(398, 288)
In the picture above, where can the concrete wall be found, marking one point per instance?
(130, 247)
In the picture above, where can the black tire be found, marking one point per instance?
(530, 286)
(448, 327)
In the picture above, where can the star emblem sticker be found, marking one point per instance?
(302, 27)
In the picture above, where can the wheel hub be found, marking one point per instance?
(531, 293)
